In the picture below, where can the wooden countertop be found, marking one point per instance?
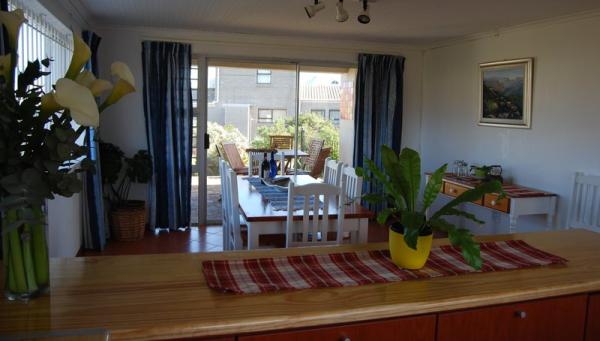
(256, 208)
(165, 296)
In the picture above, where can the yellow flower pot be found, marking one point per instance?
(405, 257)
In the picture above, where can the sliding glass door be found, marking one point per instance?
(252, 104)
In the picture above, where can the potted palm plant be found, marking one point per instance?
(127, 217)
(411, 225)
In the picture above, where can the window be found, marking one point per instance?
(43, 36)
(212, 85)
(320, 112)
(194, 79)
(265, 115)
(263, 76)
(334, 116)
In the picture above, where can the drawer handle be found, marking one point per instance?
(521, 314)
(452, 190)
(493, 202)
(345, 339)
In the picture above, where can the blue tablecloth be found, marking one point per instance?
(278, 196)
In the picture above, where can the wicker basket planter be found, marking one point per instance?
(128, 222)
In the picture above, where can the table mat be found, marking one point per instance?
(251, 276)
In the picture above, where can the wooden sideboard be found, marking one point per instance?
(165, 297)
(519, 200)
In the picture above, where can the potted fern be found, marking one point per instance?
(127, 217)
(411, 225)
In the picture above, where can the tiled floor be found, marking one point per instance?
(196, 239)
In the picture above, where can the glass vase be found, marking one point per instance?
(24, 255)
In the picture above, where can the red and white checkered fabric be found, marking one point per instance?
(250, 276)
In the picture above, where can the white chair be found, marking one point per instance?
(584, 210)
(234, 231)
(223, 169)
(333, 172)
(254, 161)
(353, 184)
(317, 228)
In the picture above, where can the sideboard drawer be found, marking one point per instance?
(455, 190)
(560, 319)
(491, 201)
(420, 328)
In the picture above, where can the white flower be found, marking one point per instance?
(12, 21)
(97, 86)
(79, 100)
(81, 55)
(121, 71)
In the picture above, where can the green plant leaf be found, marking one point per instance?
(469, 248)
(410, 176)
(433, 187)
(411, 237)
(413, 222)
(460, 213)
(387, 185)
(373, 198)
(384, 215)
(470, 195)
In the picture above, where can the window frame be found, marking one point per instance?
(264, 73)
(338, 118)
(263, 120)
(321, 112)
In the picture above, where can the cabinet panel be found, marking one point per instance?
(560, 319)
(491, 201)
(420, 328)
(592, 332)
(455, 190)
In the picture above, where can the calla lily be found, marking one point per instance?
(6, 67)
(121, 71)
(97, 86)
(81, 55)
(12, 21)
(79, 100)
(49, 105)
(120, 89)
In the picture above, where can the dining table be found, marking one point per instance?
(262, 218)
(284, 156)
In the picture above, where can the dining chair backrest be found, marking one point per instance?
(312, 226)
(333, 172)
(255, 158)
(225, 193)
(281, 141)
(232, 155)
(314, 148)
(317, 168)
(353, 182)
(584, 211)
(234, 237)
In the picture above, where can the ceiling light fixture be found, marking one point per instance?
(311, 10)
(341, 14)
(364, 17)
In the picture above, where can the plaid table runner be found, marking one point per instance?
(277, 197)
(250, 276)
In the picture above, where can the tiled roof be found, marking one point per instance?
(319, 92)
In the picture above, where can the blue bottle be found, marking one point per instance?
(273, 164)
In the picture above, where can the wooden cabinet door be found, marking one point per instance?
(560, 319)
(592, 331)
(420, 328)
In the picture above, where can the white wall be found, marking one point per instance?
(124, 124)
(565, 133)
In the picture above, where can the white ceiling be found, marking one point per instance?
(398, 21)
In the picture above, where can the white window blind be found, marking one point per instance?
(43, 36)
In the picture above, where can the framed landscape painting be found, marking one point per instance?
(505, 93)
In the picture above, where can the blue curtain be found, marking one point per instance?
(94, 226)
(3, 49)
(168, 112)
(378, 110)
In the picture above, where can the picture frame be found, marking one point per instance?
(505, 91)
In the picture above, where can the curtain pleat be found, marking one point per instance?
(3, 49)
(378, 111)
(94, 227)
(168, 112)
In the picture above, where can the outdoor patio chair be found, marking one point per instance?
(317, 169)
(314, 148)
(232, 155)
